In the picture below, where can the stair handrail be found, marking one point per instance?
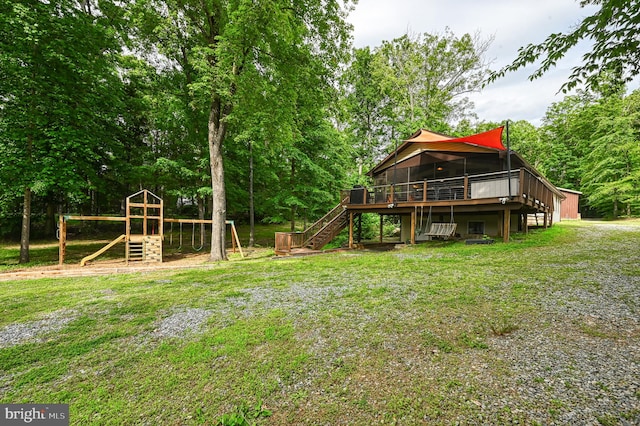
(312, 230)
(330, 227)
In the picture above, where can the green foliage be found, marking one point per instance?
(615, 51)
(567, 129)
(611, 169)
(61, 99)
(411, 82)
(592, 146)
(263, 72)
(364, 110)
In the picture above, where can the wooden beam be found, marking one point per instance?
(465, 187)
(148, 206)
(413, 227)
(381, 226)
(127, 231)
(108, 218)
(62, 240)
(235, 237)
(506, 222)
(196, 221)
(145, 217)
(350, 230)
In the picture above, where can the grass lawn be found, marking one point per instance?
(418, 335)
(43, 253)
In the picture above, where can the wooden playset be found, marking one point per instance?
(144, 230)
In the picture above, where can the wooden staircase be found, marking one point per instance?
(324, 230)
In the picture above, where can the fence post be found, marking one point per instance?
(465, 187)
(350, 230)
(424, 191)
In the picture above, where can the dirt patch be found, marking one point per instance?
(119, 266)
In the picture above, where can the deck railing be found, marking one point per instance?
(471, 187)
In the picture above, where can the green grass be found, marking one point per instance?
(45, 253)
(357, 337)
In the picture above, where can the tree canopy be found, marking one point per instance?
(262, 110)
(613, 30)
(61, 98)
(411, 82)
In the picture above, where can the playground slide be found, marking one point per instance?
(103, 249)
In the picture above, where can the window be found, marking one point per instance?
(476, 227)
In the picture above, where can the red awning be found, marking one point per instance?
(425, 140)
(490, 139)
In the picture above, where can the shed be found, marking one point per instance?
(569, 208)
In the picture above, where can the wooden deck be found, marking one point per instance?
(503, 193)
(517, 190)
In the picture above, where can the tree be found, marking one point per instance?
(426, 78)
(411, 82)
(611, 168)
(231, 43)
(525, 139)
(616, 46)
(60, 100)
(567, 129)
(364, 109)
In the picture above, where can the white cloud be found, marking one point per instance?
(512, 23)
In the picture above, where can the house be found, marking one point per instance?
(473, 183)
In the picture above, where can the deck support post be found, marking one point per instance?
(350, 230)
(506, 224)
(413, 226)
(525, 223)
(381, 226)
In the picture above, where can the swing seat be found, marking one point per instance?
(441, 230)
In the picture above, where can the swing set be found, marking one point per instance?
(145, 216)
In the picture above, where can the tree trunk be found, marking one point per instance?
(26, 227)
(50, 224)
(217, 129)
(293, 218)
(252, 224)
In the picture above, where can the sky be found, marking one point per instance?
(512, 23)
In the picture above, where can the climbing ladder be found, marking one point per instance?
(135, 250)
(146, 248)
